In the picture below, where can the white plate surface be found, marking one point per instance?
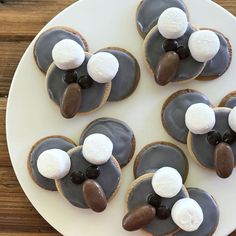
(31, 115)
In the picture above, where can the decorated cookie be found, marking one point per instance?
(55, 143)
(119, 133)
(157, 201)
(209, 132)
(176, 51)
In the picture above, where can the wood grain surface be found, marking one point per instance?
(20, 22)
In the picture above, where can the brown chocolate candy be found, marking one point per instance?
(224, 160)
(71, 100)
(94, 196)
(139, 217)
(167, 68)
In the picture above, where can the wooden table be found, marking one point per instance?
(20, 22)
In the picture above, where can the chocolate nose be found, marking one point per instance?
(94, 195)
(139, 217)
(223, 160)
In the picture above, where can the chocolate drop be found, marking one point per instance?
(224, 160)
(71, 101)
(167, 68)
(139, 217)
(94, 196)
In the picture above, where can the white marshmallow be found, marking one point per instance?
(97, 149)
(54, 164)
(187, 214)
(172, 23)
(200, 118)
(203, 45)
(68, 54)
(167, 182)
(232, 119)
(102, 67)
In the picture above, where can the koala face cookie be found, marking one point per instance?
(208, 132)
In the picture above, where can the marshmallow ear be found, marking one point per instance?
(97, 149)
(103, 67)
(232, 119)
(204, 45)
(200, 118)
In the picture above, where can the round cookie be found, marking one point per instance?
(210, 212)
(174, 109)
(229, 100)
(148, 13)
(92, 98)
(200, 148)
(119, 133)
(108, 179)
(42, 145)
(48, 39)
(221, 62)
(161, 154)
(127, 77)
(138, 195)
(188, 68)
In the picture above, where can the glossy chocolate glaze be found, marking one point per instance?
(91, 97)
(158, 155)
(202, 150)
(47, 40)
(173, 113)
(210, 212)
(230, 102)
(43, 145)
(153, 49)
(218, 65)
(138, 196)
(149, 11)
(127, 77)
(108, 179)
(120, 134)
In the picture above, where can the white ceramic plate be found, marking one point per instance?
(31, 115)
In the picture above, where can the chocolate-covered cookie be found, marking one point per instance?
(42, 145)
(47, 40)
(149, 11)
(141, 194)
(229, 100)
(160, 154)
(210, 212)
(103, 181)
(119, 133)
(127, 77)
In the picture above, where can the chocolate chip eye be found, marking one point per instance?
(85, 81)
(70, 76)
(170, 45)
(154, 200)
(77, 177)
(92, 172)
(183, 52)
(163, 212)
(229, 137)
(214, 137)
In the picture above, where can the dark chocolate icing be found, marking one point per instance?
(138, 196)
(218, 65)
(127, 77)
(47, 40)
(120, 134)
(91, 97)
(149, 11)
(202, 150)
(158, 155)
(210, 212)
(41, 146)
(173, 113)
(108, 179)
(188, 68)
(230, 102)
